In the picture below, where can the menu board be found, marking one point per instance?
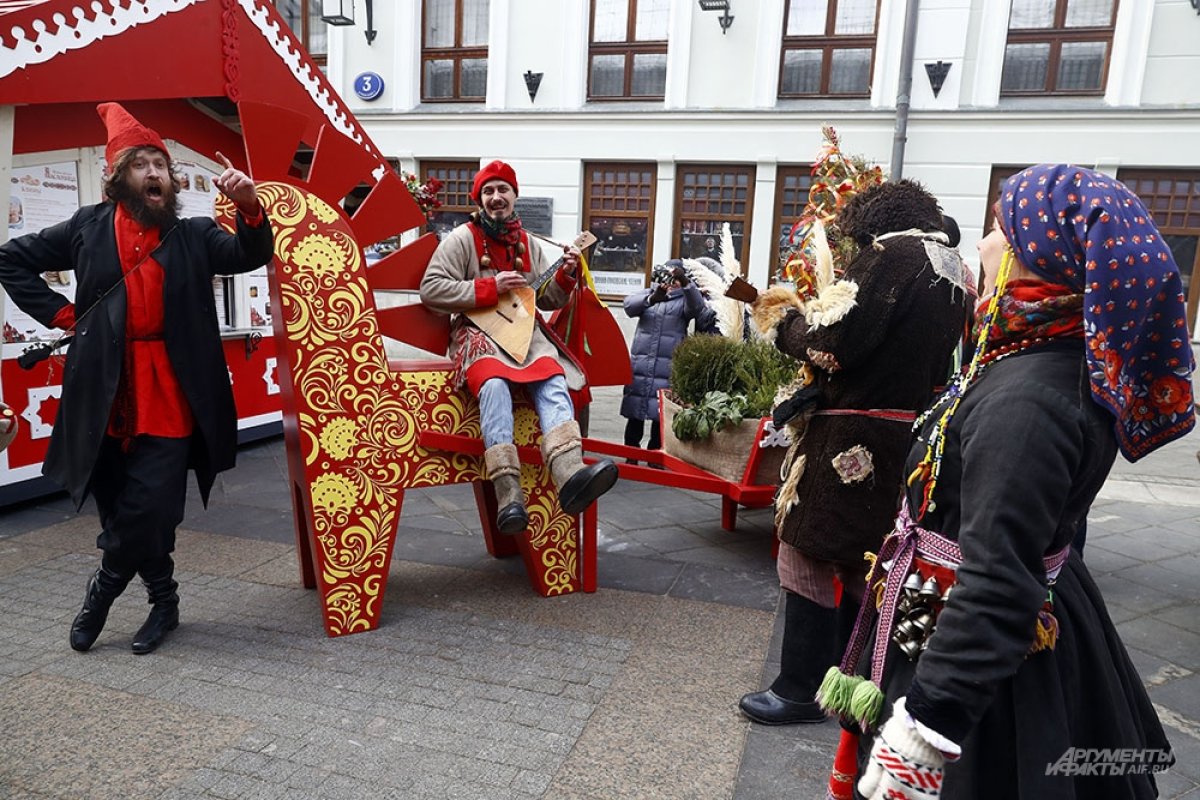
(40, 196)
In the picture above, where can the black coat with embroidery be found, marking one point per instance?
(1025, 454)
(191, 253)
(888, 352)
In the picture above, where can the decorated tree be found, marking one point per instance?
(810, 254)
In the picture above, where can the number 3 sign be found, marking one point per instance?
(368, 86)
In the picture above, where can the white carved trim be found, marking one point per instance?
(108, 19)
(268, 376)
(38, 429)
(318, 90)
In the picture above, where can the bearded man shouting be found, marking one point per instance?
(146, 392)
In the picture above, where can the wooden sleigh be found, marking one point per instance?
(359, 430)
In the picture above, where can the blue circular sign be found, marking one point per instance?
(368, 86)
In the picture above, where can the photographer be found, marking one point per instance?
(663, 312)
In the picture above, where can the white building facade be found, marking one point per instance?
(655, 121)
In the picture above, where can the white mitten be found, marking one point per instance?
(903, 765)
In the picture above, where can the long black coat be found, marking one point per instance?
(661, 327)
(891, 350)
(1025, 455)
(191, 254)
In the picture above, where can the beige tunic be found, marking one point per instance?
(449, 287)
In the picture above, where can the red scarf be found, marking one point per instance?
(1032, 309)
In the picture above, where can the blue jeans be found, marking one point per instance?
(549, 397)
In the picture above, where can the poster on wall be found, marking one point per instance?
(197, 192)
(40, 196)
(258, 298)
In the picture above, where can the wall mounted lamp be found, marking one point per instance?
(341, 12)
(726, 19)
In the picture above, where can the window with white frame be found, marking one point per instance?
(627, 57)
(828, 48)
(454, 51)
(1058, 47)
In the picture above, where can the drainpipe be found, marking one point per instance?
(904, 95)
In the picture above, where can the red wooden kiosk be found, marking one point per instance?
(359, 430)
(239, 83)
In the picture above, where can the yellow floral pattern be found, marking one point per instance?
(356, 422)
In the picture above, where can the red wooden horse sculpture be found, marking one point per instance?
(353, 422)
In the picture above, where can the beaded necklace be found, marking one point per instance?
(488, 232)
(518, 263)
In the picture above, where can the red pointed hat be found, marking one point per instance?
(497, 170)
(124, 132)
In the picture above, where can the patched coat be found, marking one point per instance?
(455, 282)
(191, 253)
(887, 353)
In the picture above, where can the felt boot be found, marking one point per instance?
(504, 471)
(809, 634)
(164, 605)
(103, 588)
(578, 483)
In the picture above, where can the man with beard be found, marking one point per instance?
(146, 392)
(474, 265)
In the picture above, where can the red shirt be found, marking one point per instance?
(149, 399)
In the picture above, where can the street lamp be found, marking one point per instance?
(341, 12)
(725, 19)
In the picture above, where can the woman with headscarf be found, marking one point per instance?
(995, 670)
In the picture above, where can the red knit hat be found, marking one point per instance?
(497, 170)
(124, 132)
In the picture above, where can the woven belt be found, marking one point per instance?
(905, 543)
(893, 414)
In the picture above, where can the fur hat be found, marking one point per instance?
(892, 206)
(497, 170)
(125, 132)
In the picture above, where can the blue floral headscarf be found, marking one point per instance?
(1079, 228)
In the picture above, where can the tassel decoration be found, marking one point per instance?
(865, 704)
(1045, 636)
(837, 688)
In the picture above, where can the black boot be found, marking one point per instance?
(809, 631)
(503, 464)
(164, 602)
(578, 484)
(103, 588)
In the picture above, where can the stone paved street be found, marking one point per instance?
(475, 687)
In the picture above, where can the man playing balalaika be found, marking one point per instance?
(486, 274)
